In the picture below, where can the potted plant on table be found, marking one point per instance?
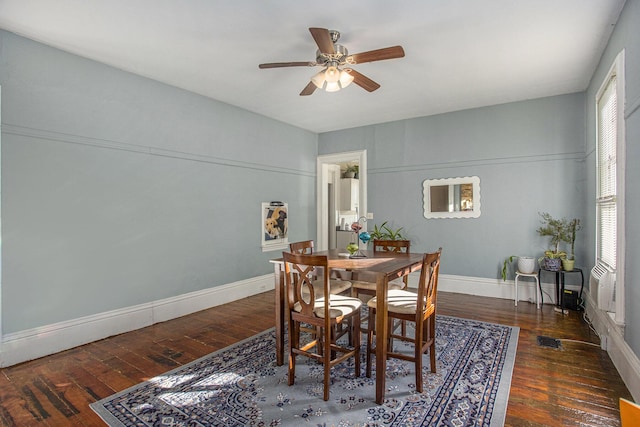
(572, 226)
(526, 265)
(558, 231)
(385, 233)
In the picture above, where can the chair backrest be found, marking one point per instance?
(428, 283)
(301, 272)
(392, 246)
(305, 247)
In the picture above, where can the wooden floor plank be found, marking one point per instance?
(574, 386)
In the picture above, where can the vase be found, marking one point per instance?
(352, 248)
(568, 264)
(526, 264)
(552, 264)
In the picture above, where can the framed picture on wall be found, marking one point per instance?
(275, 226)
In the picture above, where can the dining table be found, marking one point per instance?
(385, 265)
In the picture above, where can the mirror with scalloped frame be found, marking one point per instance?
(452, 197)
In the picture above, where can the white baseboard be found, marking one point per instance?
(494, 288)
(42, 341)
(612, 337)
(49, 339)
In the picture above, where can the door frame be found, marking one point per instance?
(322, 200)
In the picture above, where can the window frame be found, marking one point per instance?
(616, 70)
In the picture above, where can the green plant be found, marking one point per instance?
(352, 168)
(507, 261)
(557, 230)
(377, 232)
(553, 254)
(572, 226)
(385, 233)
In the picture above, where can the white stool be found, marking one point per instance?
(537, 289)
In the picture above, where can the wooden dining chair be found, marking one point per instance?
(408, 306)
(336, 285)
(365, 283)
(323, 314)
(305, 247)
(391, 245)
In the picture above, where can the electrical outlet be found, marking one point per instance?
(369, 215)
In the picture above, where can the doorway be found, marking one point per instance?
(326, 167)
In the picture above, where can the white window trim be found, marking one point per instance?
(617, 69)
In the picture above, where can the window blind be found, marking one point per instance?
(606, 195)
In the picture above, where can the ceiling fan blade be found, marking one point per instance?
(376, 55)
(287, 64)
(363, 81)
(323, 40)
(308, 90)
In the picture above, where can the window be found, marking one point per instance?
(606, 166)
(610, 149)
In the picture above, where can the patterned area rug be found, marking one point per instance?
(242, 386)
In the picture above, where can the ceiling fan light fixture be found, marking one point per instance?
(332, 75)
(332, 87)
(319, 79)
(345, 78)
(332, 79)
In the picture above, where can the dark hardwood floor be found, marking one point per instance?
(574, 386)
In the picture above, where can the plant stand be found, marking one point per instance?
(537, 287)
(559, 284)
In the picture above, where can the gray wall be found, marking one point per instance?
(118, 190)
(625, 36)
(528, 155)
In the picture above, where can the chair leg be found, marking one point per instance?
(432, 349)
(370, 333)
(320, 340)
(327, 364)
(333, 338)
(356, 342)
(419, 339)
(389, 335)
(294, 342)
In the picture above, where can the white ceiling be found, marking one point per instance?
(459, 53)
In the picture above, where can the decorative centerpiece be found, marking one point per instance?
(353, 247)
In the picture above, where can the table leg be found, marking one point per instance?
(581, 287)
(562, 292)
(381, 335)
(280, 303)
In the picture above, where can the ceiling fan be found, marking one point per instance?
(336, 61)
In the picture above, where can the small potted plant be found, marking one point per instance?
(351, 171)
(558, 231)
(526, 265)
(570, 237)
(385, 233)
